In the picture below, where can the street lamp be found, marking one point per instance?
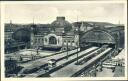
(67, 49)
(37, 50)
(78, 30)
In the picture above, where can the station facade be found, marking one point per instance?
(61, 37)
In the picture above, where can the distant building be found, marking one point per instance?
(70, 41)
(120, 25)
(56, 37)
(88, 25)
(60, 34)
(8, 34)
(12, 45)
(37, 35)
(38, 41)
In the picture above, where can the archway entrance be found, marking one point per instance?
(97, 37)
(52, 40)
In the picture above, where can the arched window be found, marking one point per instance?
(38, 40)
(68, 41)
(52, 40)
(64, 41)
(35, 40)
(45, 39)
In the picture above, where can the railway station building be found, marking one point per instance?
(60, 36)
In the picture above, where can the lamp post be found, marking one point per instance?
(37, 50)
(63, 33)
(78, 31)
(67, 50)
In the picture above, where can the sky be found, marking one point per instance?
(47, 13)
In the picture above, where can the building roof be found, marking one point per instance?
(110, 29)
(103, 35)
(71, 33)
(60, 22)
(94, 24)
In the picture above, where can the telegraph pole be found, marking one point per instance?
(78, 25)
(67, 49)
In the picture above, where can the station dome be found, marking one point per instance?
(60, 22)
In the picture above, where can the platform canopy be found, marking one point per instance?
(97, 36)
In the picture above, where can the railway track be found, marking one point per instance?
(83, 58)
(67, 71)
(91, 62)
(65, 64)
(58, 60)
(87, 58)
